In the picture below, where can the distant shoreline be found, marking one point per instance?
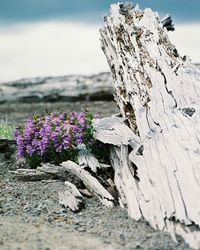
(41, 78)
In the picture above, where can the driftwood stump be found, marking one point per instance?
(158, 91)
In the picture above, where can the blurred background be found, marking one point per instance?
(60, 37)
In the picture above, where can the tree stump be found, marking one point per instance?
(158, 91)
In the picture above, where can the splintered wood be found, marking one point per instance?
(90, 182)
(87, 159)
(71, 197)
(158, 91)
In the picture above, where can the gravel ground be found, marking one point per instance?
(31, 218)
(17, 112)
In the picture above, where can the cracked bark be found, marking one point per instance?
(158, 92)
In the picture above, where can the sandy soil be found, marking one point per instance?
(31, 218)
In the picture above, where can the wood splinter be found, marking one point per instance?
(90, 182)
(71, 197)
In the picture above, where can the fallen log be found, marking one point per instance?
(158, 92)
(61, 88)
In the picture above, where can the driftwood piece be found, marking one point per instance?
(71, 197)
(48, 171)
(87, 159)
(112, 130)
(158, 91)
(61, 88)
(90, 182)
(85, 192)
(31, 175)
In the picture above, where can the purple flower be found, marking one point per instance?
(56, 131)
(66, 142)
(91, 141)
(43, 145)
(21, 149)
(30, 150)
(81, 119)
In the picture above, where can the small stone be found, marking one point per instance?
(81, 229)
(107, 241)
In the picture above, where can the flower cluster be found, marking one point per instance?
(54, 137)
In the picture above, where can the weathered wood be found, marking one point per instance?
(61, 88)
(87, 159)
(90, 182)
(158, 91)
(85, 192)
(112, 130)
(46, 171)
(125, 180)
(71, 197)
(49, 171)
(31, 175)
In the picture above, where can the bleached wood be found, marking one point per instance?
(77, 171)
(31, 175)
(71, 197)
(112, 130)
(158, 91)
(90, 182)
(104, 166)
(49, 171)
(125, 180)
(87, 159)
(85, 192)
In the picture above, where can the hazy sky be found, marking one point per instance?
(56, 37)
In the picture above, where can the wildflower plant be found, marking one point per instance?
(54, 137)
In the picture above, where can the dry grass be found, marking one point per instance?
(6, 130)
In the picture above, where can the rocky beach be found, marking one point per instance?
(30, 214)
(70, 180)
